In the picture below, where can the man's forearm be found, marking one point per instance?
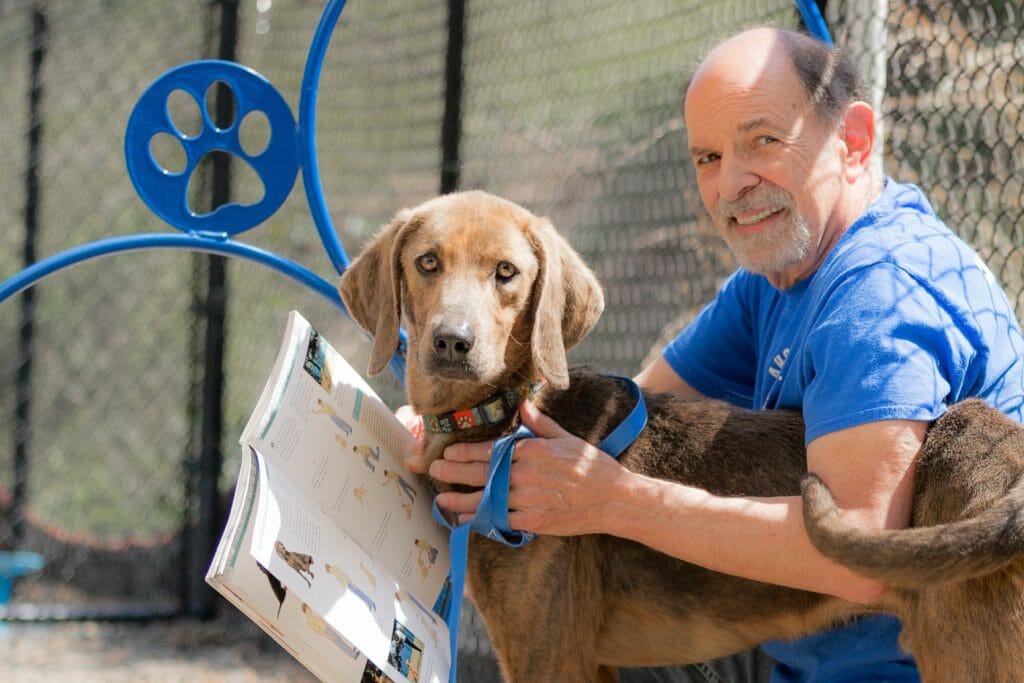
(756, 538)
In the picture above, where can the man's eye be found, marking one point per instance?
(763, 140)
(427, 263)
(505, 271)
(705, 159)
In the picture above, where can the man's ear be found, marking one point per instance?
(858, 136)
(370, 288)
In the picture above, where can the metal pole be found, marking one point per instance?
(866, 44)
(26, 340)
(200, 599)
(451, 126)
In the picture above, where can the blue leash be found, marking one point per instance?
(491, 518)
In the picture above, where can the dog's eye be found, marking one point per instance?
(506, 271)
(427, 263)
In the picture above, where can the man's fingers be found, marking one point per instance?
(414, 463)
(469, 452)
(467, 473)
(459, 503)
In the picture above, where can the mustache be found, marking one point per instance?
(756, 198)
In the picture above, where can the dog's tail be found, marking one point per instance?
(910, 558)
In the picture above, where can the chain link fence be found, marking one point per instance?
(571, 109)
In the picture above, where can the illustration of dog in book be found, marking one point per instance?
(300, 562)
(360, 494)
(427, 556)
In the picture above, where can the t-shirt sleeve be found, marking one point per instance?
(715, 353)
(885, 346)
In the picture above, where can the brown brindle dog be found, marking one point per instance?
(492, 297)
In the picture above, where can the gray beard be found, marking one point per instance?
(768, 251)
(772, 251)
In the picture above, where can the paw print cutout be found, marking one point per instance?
(165, 190)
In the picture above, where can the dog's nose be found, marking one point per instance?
(453, 343)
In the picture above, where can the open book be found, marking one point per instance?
(330, 545)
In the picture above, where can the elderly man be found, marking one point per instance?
(853, 302)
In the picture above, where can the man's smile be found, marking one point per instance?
(750, 222)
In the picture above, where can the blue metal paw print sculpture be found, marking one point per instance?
(291, 146)
(166, 192)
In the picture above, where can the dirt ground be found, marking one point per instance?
(228, 649)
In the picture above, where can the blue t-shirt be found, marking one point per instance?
(901, 320)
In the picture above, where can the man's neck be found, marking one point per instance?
(855, 202)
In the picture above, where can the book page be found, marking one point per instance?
(324, 428)
(345, 595)
(237, 575)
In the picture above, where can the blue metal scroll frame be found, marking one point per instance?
(291, 146)
(813, 20)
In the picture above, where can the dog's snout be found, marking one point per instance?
(453, 343)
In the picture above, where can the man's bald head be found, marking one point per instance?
(829, 78)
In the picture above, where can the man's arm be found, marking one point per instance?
(659, 376)
(869, 468)
(561, 485)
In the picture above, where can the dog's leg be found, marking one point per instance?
(972, 631)
(543, 608)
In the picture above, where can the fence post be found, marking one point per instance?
(866, 44)
(451, 126)
(26, 332)
(200, 600)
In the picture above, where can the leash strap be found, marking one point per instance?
(626, 432)
(491, 518)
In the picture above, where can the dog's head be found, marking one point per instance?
(485, 287)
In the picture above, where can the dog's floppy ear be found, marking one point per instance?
(371, 290)
(567, 300)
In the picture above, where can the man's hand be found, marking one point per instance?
(559, 484)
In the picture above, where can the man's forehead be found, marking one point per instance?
(742, 100)
(750, 50)
(749, 61)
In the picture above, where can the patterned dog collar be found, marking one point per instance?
(489, 412)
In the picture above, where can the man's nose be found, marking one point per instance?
(735, 177)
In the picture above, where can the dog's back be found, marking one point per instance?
(957, 575)
(967, 517)
(684, 438)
